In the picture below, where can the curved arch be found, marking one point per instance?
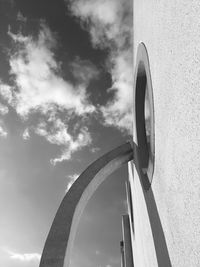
(143, 87)
(144, 159)
(60, 239)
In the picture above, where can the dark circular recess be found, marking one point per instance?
(144, 116)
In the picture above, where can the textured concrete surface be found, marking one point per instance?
(171, 33)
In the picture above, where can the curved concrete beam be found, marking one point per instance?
(60, 239)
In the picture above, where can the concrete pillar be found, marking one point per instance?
(122, 254)
(128, 256)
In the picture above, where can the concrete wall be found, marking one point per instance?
(171, 32)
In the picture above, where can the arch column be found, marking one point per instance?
(61, 236)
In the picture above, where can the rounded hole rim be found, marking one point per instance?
(143, 73)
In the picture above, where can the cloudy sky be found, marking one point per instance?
(65, 99)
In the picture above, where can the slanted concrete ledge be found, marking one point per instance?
(60, 239)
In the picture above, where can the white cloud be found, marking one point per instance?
(104, 11)
(72, 178)
(119, 111)
(26, 134)
(24, 257)
(37, 80)
(83, 139)
(20, 17)
(3, 132)
(83, 71)
(110, 25)
(58, 134)
(3, 109)
(6, 92)
(95, 149)
(39, 87)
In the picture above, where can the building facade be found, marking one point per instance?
(166, 206)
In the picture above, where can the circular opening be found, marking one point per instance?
(144, 115)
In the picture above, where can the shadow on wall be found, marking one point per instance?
(161, 249)
(144, 151)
